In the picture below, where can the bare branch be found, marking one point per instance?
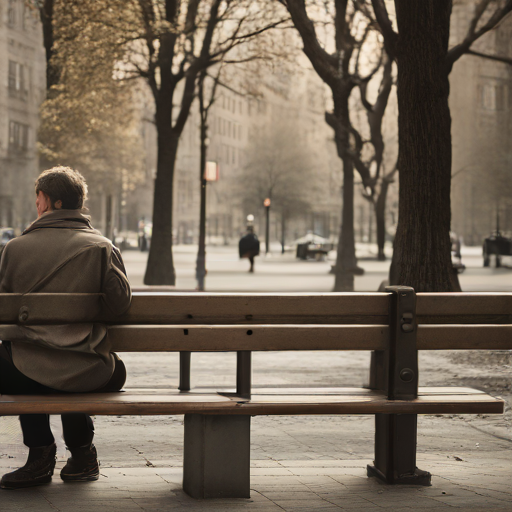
(325, 64)
(201, 62)
(505, 60)
(386, 27)
(473, 34)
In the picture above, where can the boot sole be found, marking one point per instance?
(80, 478)
(24, 485)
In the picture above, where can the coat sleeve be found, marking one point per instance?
(116, 288)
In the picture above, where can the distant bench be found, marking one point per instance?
(393, 325)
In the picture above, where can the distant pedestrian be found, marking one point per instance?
(249, 246)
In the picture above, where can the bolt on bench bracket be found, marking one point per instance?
(396, 372)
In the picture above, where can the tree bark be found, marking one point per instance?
(346, 262)
(422, 256)
(160, 267)
(339, 120)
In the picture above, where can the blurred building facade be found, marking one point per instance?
(481, 106)
(22, 88)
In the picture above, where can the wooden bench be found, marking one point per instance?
(393, 325)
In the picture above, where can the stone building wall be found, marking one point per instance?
(481, 106)
(22, 88)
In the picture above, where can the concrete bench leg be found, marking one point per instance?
(217, 456)
(395, 450)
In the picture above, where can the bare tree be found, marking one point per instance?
(86, 120)
(182, 38)
(339, 64)
(375, 114)
(422, 245)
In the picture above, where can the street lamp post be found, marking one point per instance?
(201, 250)
(266, 204)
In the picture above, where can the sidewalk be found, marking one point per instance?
(285, 273)
(298, 463)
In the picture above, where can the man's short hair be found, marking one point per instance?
(65, 184)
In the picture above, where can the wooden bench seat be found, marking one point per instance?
(392, 325)
(263, 401)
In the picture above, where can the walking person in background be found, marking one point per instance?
(249, 245)
(60, 252)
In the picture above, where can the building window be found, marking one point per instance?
(18, 136)
(17, 82)
(493, 97)
(11, 13)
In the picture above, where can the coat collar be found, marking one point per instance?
(66, 219)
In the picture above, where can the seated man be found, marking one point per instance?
(60, 252)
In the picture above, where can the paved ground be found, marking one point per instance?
(298, 463)
(279, 273)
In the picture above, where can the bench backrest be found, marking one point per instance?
(270, 321)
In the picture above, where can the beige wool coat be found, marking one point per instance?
(62, 253)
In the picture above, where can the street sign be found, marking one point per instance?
(266, 202)
(211, 172)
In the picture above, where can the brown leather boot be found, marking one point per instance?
(38, 469)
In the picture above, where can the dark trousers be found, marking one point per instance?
(78, 428)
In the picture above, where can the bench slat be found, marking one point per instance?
(302, 337)
(346, 401)
(464, 307)
(467, 337)
(264, 308)
(196, 308)
(236, 337)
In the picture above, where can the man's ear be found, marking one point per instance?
(58, 205)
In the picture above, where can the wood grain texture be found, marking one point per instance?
(198, 308)
(179, 308)
(230, 308)
(467, 337)
(461, 308)
(255, 337)
(288, 402)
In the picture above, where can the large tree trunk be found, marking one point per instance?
(346, 257)
(160, 267)
(346, 263)
(422, 255)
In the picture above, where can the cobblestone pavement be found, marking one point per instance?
(298, 463)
